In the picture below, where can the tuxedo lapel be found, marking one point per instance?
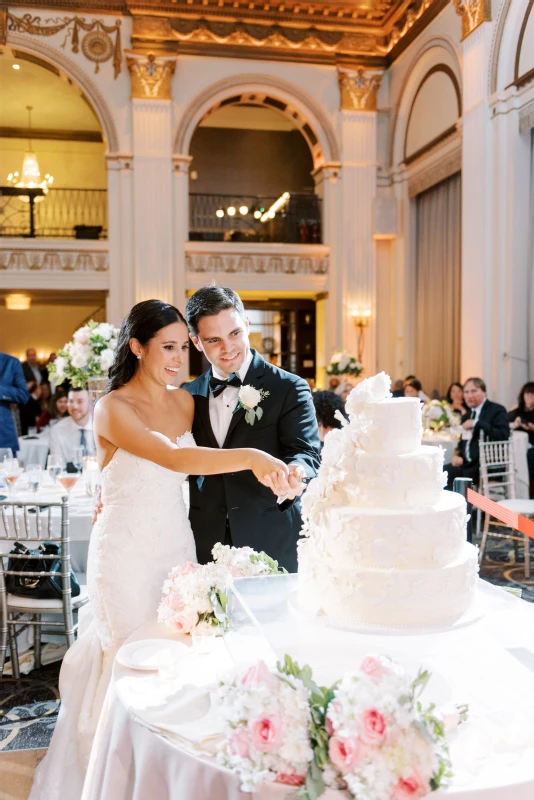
(203, 407)
(253, 377)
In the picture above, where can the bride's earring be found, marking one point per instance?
(139, 358)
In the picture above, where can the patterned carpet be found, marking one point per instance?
(29, 707)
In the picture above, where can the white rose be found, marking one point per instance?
(81, 336)
(79, 359)
(106, 358)
(435, 412)
(60, 363)
(344, 362)
(105, 330)
(249, 396)
(336, 358)
(112, 344)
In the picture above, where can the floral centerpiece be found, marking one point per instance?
(244, 562)
(437, 414)
(344, 364)
(368, 734)
(88, 356)
(195, 598)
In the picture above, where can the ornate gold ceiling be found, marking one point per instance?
(369, 33)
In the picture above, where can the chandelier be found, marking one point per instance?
(30, 178)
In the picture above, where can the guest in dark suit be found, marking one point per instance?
(483, 416)
(235, 509)
(31, 369)
(31, 410)
(12, 390)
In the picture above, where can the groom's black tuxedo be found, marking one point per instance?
(288, 431)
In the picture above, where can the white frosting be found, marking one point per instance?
(386, 544)
(387, 597)
(386, 538)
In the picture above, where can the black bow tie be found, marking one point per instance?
(217, 386)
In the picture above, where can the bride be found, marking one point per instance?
(145, 451)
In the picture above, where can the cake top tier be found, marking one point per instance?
(380, 423)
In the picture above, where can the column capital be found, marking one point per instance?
(358, 88)
(473, 14)
(182, 164)
(150, 75)
(118, 161)
(329, 171)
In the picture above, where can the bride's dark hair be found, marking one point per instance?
(142, 323)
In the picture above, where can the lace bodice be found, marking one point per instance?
(127, 479)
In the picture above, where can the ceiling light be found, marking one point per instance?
(220, 213)
(18, 302)
(257, 214)
(31, 177)
(230, 211)
(243, 210)
(16, 66)
(276, 206)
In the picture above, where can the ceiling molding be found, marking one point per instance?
(52, 135)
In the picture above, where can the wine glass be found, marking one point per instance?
(77, 458)
(12, 472)
(54, 466)
(68, 479)
(34, 476)
(5, 452)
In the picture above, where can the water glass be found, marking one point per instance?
(32, 431)
(34, 476)
(54, 466)
(203, 641)
(77, 457)
(5, 452)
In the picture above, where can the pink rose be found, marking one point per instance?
(373, 726)
(81, 336)
(174, 601)
(266, 733)
(188, 567)
(344, 752)
(291, 779)
(240, 743)
(411, 788)
(184, 621)
(258, 675)
(373, 669)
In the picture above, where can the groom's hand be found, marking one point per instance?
(287, 487)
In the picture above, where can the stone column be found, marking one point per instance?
(327, 187)
(120, 237)
(356, 256)
(181, 236)
(152, 177)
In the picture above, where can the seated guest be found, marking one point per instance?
(30, 411)
(398, 389)
(455, 398)
(44, 400)
(76, 430)
(522, 419)
(31, 369)
(326, 404)
(413, 388)
(483, 416)
(13, 389)
(59, 407)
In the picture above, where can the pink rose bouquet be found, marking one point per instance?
(267, 720)
(382, 743)
(244, 562)
(195, 597)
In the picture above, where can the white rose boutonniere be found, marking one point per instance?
(249, 399)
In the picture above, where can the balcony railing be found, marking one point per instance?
(62, 213)
(298, 222)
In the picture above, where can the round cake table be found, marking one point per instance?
(158, 731)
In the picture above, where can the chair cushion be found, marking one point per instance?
(525, 507)
(52, 606)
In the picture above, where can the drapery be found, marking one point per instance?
(438, 285)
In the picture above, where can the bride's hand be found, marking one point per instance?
(262, 464)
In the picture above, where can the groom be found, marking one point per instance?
(235, 509)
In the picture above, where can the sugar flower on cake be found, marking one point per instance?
(195, 598)
(244, 562)
(266, 718)
(371, 390)
(383, 742)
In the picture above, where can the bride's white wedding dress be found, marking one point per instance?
(142, 532)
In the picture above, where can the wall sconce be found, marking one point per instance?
(361, 319)
(18, 302)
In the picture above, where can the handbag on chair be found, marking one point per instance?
(46, 587)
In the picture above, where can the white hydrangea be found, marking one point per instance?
(78, 357)
(106, 330)
(106, 358)
(60, 363)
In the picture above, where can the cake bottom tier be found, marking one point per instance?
(387, 597)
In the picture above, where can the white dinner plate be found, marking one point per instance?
(151, 655)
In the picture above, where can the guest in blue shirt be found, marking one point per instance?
(12, 390)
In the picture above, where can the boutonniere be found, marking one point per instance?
(249, 399)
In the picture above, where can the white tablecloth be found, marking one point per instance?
(33, 450)
(520, 442)
(488, 664)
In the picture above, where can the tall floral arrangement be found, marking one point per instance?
(344, 364)
(89, 355)
(437, 414)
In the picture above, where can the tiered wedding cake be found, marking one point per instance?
(386, 545)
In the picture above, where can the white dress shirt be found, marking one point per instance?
(67, 435)
(222, 407)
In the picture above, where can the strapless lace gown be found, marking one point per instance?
(142, 532)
